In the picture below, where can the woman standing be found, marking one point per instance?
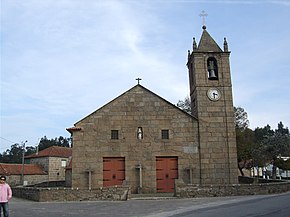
(5, 196)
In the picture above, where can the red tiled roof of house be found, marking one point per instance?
(53, 151)
(16, 169)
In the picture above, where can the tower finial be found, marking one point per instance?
(226, 48)
(203, 15)
(194, 45)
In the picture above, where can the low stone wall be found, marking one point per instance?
(121, 193)
(68, 194)
(188, 191)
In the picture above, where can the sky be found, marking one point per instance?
(63, 59)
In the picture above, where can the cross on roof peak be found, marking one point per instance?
(138, 80)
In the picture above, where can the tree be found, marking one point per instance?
(185, 105)
(271, 145)
(283, 164)
(60, 141)
(279, 145)
(30, 150)
(13, 155)
(262, 133)
(281, 130)
(241, 118)
(259, 153)
(244, 138)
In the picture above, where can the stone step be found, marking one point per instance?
(157, 196)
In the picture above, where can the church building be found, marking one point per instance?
(142, 140)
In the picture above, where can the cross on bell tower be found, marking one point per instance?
(203, 15)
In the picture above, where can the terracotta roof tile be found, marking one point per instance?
(72, 129)
(16, 169)
(53, 151)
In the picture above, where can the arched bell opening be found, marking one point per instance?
(212, 68)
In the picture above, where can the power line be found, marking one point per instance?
(8, 140)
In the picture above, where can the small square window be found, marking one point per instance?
(165, 134)
(114, 134)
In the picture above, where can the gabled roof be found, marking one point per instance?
(53, 151)
(136, 86)
(207, 43)
(16, 169)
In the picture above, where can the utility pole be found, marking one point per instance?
(22, 172)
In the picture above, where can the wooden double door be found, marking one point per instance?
(166, 173)
(113, 171)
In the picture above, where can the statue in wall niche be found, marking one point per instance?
(139, 133)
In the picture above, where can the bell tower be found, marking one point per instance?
(212, 104)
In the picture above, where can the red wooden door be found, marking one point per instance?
(166, 172)
(113, 171)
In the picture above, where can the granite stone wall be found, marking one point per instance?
(116, 193)
(190, 191)
(15, 180)
(51, 165)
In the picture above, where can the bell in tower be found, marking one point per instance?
(212, 69)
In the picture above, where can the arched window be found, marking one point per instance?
(212, 68)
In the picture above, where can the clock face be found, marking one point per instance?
(214, 94)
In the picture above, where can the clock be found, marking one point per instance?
(214, 94)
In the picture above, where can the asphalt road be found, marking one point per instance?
(246, 206)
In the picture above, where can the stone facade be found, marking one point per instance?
(15, 180)
(138, 107)
(53, 166)
(53, 160)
